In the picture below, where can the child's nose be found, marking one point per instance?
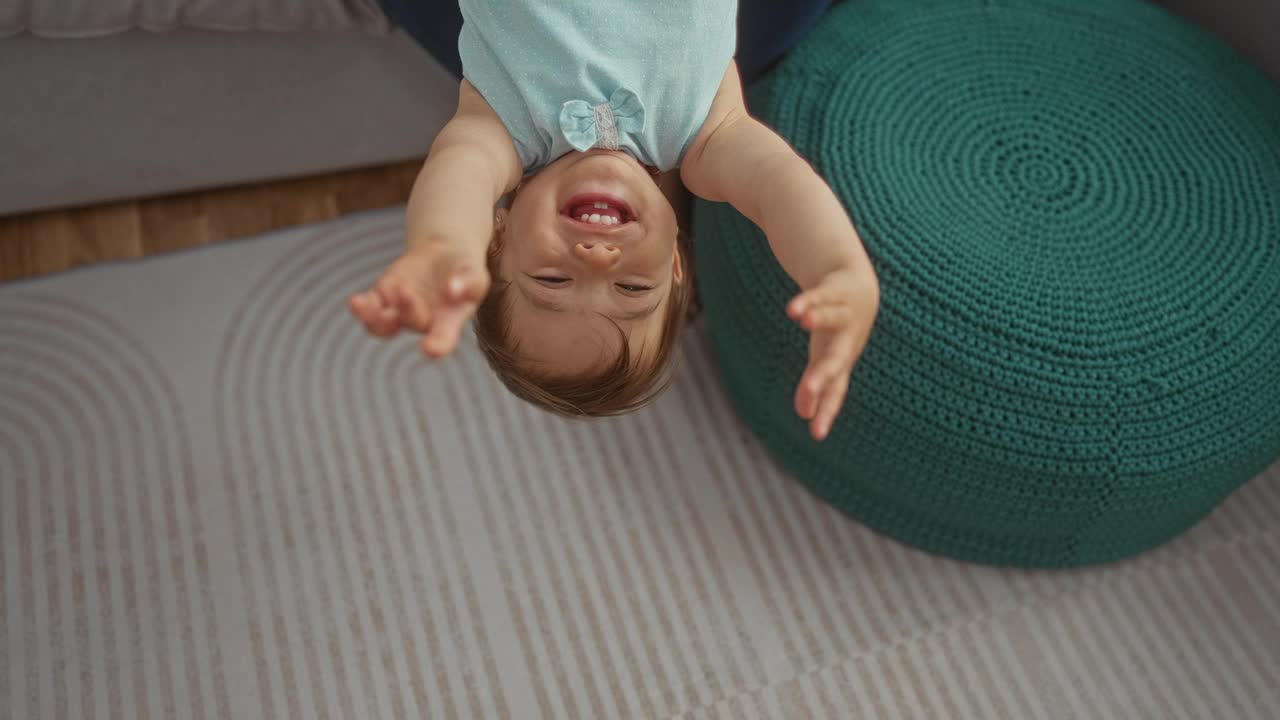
(597, 255)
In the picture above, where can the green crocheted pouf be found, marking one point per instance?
(1074, 211)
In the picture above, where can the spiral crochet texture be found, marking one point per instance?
(1073, 209)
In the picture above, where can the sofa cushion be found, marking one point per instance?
(88, 18)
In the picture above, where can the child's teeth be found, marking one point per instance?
(602, 206)
(595, 218)
(585, 217)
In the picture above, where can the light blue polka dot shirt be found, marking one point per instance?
(564, 75)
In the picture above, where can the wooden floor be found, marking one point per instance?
(47, 242)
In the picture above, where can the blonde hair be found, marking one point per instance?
(620, 387)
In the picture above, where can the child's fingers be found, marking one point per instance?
(828, 407)
(413, 311)
(827, 317)
(811, 298)
(812, 383)
(467, 286)
(799, 304)
(445, 331)
(830, 358)
(807, 393)
(377, 319)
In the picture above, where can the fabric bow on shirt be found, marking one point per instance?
(586, 126)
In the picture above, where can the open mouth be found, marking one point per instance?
(599, 210)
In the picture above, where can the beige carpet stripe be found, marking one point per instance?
(1077, 649)
(1200, 627)
(1004, 667)
(45, 636)
(189, 568)
(377, 569)
(433, 694)
(674, 557)
(735, 646)
(279, 685)
(548, 538)
(772, 482)
(749, 532)
(310, 304)
(636, 624)
(63, 327)
(653, 561)
(58, 568)
(615, 637)
(583, 625)
(316, 305)
(305, 310)
(1132, 655)
(1097, 662)
(1198, 659)
(691, 543)
(232, 402)
(352, 434)
(267, 388)
(618, 509)
(810, 558)
(1153, 668)
(368, 433)
(652, 609)
(70, 590)
(310, 317)
(886, 593)
(9, 615)
(234, 444)
(534, 555)
(775, 571)
(1262, 589)
(826, 630)
(459, 402)
(1214, 600)
(444, 545)
(316, 298)
(25, 665)
(1154, 636)
(1205, 680)
(939, 681)
(604, 565)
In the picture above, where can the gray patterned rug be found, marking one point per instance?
(219, 499)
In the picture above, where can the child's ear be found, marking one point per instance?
(677, 263)
(500, 216)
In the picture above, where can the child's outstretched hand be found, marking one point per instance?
(432, 289)
(838, 313)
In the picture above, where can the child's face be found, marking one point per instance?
(569, 277)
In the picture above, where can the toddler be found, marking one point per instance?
(551, 205)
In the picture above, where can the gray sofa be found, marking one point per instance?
(110, 99)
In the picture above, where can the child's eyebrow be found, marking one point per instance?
(542, 304)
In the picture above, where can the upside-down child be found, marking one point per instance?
(550, 206)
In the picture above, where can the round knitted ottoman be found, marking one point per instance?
(1074, 212)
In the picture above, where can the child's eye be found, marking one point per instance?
(550, 280)
(633, 288)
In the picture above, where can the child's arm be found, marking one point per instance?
(737, 159)
(471, 165)
(435, 286)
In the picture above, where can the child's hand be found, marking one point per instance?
(432, 289)
(838, 314)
